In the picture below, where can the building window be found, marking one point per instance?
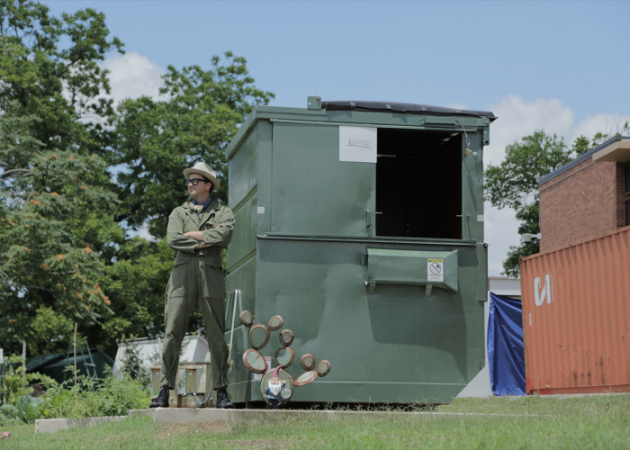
(626, 195)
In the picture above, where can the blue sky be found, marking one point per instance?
(561, 66)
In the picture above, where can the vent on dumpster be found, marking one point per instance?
(418, 184)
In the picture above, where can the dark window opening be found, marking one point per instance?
(418, 184)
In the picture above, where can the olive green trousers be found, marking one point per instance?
(194, 281)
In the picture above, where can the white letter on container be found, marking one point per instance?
(540, 295)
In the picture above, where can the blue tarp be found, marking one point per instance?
(506, 352)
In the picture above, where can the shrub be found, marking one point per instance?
(111, 396)
(16, 380)
(8, 415)
(133, 365)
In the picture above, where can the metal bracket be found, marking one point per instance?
(427, 290)
(314, 103)
(371, 285)
(368, 218)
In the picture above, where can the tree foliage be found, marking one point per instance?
(194, 120)
(135, 283)
(55, 193)
(76, 173)
(61, 85)
(53, 213)
(514, 183)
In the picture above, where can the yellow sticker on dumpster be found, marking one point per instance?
(435, 269)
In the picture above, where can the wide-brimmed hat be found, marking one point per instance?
(204, 169)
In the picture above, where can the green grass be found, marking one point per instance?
(558, 423)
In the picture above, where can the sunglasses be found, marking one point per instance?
(195, 182)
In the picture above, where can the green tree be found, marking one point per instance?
(194, 120)
(56, 199)
(64, 256)
(61, 85)
(582, 144)
(135, 283)
(53, 210)
(514, 184)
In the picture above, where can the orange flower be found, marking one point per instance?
(60, 257)
(61, 286)
(12, 321)
(12, 223)
(35, 202)
(27, 225)
(77, 295)
(55, 156)
(82, 187)
(55, 194)
(87, 250)
(79, 276)
(107, 301)
(86, 306)
(45, 266)
(72, 157)
(26, 249)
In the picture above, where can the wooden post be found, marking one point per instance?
(76, 395)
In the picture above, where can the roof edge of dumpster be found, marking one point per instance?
(348, 105)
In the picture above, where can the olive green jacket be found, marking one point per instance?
(183, 219)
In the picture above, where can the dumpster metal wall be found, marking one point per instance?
(576, 317)
(306, 246)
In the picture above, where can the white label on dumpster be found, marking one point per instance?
(435, 269)
(357, 144)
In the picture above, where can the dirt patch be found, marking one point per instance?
(171, 431)
(258, 444)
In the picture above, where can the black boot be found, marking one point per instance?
(223, 399)
(273, 404)
(162, 399)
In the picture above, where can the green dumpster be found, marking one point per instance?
(361, 224)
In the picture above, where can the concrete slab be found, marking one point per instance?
(54, 425)
(165, 416)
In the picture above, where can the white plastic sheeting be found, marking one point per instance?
(150, 353)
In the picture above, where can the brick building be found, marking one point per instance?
(587, 197)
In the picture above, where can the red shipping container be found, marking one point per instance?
(576, 317)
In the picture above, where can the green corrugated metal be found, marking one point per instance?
(307, 226)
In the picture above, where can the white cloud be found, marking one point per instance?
(501, 231)
(518, 118)
(143, 232)
(133, 75)
(605, 123)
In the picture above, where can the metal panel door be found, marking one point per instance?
(313, 192)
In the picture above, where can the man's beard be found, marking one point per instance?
(275, 388)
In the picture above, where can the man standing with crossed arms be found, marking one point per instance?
(198, 230)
